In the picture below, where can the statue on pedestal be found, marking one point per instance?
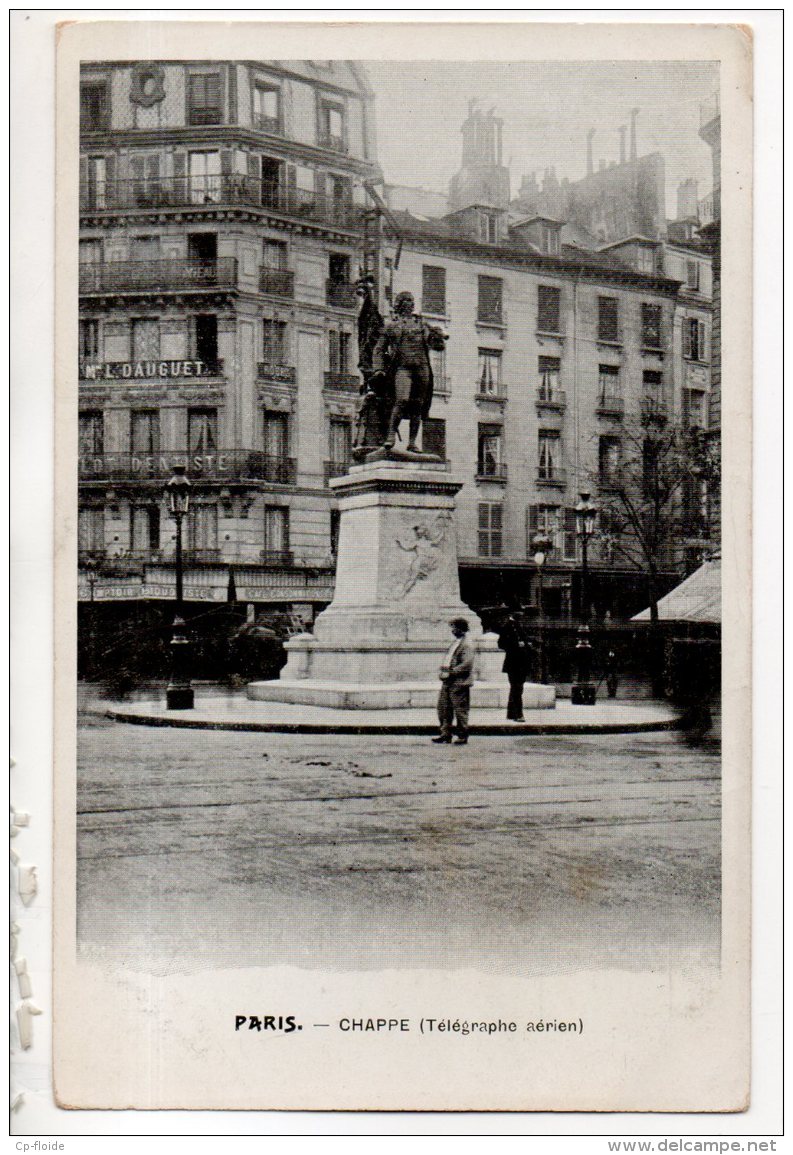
(401, 359)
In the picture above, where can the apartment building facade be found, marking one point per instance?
(221, 218)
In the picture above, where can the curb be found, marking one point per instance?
(492, 730)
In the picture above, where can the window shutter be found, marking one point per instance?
(686, 337)
(532, 526)
(179, 172)
(569, 533)
(703, 347)
(226, 159)
(84, 196)
(319, 188)
(254, 165)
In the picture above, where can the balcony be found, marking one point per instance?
(227, 189)
(441, 386)
(340, 294)
(331, 141)
(550, 476)
(495, 391)
(181, 369)
(610, 406)
(336, 469)
(166, 276)
(276, 557)
(270, 124)
(491, 471)
(551, 399)
(277, 282)
(275, 371)
(654, 411)
(221, 466)
(345, 382)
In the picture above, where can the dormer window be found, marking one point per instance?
(267, 107)
(645, 259)
(488, 228)
(549, 239)
(331, 124)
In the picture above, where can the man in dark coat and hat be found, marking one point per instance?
(518, 656)
(402, 354)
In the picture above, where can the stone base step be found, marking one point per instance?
(391, 695)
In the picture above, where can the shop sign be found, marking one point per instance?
(127, 370)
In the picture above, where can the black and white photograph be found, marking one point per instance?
(397, 498)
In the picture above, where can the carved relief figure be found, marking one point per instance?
(426, 550)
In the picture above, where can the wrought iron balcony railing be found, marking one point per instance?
(347, 382)
(551, 398)
(491, 471)
(157, 276)
(220, 189)
(491, 391)
(219, 466)
(550, 475)
(278, 282)
(654, 410)
(331, 141)
(610, 406)
(341, 294)
(275, 371)
(271, 124)
(277, 557)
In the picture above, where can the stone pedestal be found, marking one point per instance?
(383, 639)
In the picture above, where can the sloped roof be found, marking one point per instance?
(697, 599)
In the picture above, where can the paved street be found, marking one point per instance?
(537, 854)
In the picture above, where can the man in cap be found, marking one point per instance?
(457, 677)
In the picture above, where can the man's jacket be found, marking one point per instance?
(461, 667)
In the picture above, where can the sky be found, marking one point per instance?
(547, 109)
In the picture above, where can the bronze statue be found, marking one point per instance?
(402, 370)
(371, 424)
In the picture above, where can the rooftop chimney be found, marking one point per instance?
(634, 114)
(623, 130)
(589, 137)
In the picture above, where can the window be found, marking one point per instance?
(267, 107)
(645, 259)
(549, 455)
(202, 430)
(89, 340)
(144, 338)
(272, 180)
(694, 339)
(92, 432)
(94, 106)
(489, 307)
(274, 342)
(276, 434)
(145, 173)
(651, 326)
(274, 254)
(276, 532)
(692, 275)
(90, 251)
(331, 124)
(609, 384)
(549, 370)
(145, 431)
(433, 437)
(549, 239)
(206, 337)
(489, 453)
(490, 372)
(96, 178)
(650, 455)
(91, 529)
(488, 228)
(203, 247)
(608, 459)
(202, 526)
(554, 523)
(340, 441)
(440, 382)
(608, 319)
(339, 268)
(549, 301)
(652, 384)
(433, 290)
(339, 199)
(204, 169)
(694, 410)
(144, 528)
(204, 98)
(490, 528)
(338, 351)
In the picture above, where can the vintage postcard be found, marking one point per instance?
(402, 646)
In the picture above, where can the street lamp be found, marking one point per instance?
(179, 695)
(584, 690)
(542, 546)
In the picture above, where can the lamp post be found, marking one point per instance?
(584, 691)
(542, 546)
(179, 695)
